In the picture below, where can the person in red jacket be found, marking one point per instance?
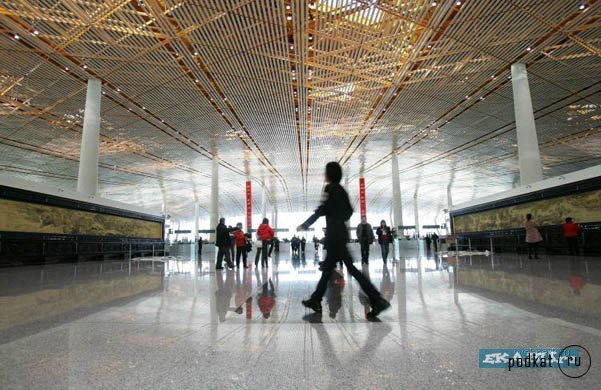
(265, 233)
(571, 231)
(240, 239)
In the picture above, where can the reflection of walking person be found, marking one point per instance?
(337, 209)
(533, 236)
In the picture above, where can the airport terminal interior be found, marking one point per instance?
(300, 194)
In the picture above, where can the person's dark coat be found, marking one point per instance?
(380, 233)
(337, 209)
(222, 236)
(365, 233)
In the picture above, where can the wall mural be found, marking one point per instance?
(37, 218)
(583, 207)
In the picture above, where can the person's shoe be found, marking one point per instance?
(313, 305)
(378, 308)
(218, 268)
(246, 266)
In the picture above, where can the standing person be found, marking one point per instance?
(435, 241)
(199, 246)
(240, 239)
(533, 236)
(303, 242)
(265, 233)
(384, 239)
(223, 242)
(571, 231)
(337, 209)
(428, 242)
(365, 235)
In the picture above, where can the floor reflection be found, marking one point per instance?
(218, 329)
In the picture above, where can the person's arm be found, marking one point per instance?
(322, 210)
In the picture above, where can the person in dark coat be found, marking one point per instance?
(365, 235)
(223, 243)
(384, 239)
(435, 241)
(337, 209)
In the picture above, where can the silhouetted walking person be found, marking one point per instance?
(337, 209)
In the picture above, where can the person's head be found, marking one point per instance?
(528, 217)
(266, 221)
(364, 219)
(569, 220)
(333, 172)
(222, 220)
(239, 225)
(382, 223)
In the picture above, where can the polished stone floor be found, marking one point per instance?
(203, 329)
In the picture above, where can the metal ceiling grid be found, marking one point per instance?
(297, 84)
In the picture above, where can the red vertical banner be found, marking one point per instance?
(249, 206)
(362, 197)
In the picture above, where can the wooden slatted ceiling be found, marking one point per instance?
(288, 85)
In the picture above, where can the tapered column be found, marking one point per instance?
(196, 216)
(416, 213)
(87, 178)
(264, 203)
(449, 207)
(397, 205)
(528, 153)
(214, 215)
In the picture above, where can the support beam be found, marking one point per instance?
(214, 215)
(87, 178)
(416, 214)
(528, 152)
(397, 205)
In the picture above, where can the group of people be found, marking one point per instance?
(571, 232)
(365, 236)
(227, 238)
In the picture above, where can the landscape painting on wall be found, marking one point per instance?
(38, 218)
(583, 207)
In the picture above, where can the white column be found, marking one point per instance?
(87, 178)
(416, 213)
(263, 203)
(529, 156)
(397, 205)
(196, 216)
(214, 215)
(449, 207)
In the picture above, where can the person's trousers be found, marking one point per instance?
(572, 245)
(532, 249)
(341, 253)
(224, 251)
(385, 249)
(241, 250)
(265, 252)
(258, 255)
(364, 252)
